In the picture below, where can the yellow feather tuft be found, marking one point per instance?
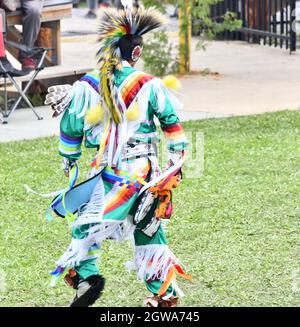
(171, 82)
(133, 112)
(95, 115)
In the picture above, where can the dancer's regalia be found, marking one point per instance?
(112, 109)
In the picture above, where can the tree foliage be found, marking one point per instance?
(212, 26)
(158, 55)
(158, 51)
(201, 12)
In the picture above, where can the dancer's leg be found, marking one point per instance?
(154, 259)
(85, 277)
(88, 267)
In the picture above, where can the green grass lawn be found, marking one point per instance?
(235, 229)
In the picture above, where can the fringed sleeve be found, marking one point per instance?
(82, 97)
(71, 135)
(164, 105)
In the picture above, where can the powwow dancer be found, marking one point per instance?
(112, 109)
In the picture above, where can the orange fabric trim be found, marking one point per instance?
(182, 273)
(127, 89)
(171, 275)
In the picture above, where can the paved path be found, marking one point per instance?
(245, 79)
(24, 124)
(251, 79)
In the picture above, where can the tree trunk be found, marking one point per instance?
(185, 36)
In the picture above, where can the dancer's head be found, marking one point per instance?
(131, 47)
(120, 33)
(120, 38)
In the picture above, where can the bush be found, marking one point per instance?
(158, 55)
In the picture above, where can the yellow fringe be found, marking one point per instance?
(95, 115)
(171, 82)
(102, 144)
(133, 112)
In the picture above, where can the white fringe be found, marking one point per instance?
(143, 98)
(177, 289)
(102, 230)
(177, 105)
(78, 249)
(159, 89)
(94, 209)
(153, 261)
(162, 93)
(84, 97)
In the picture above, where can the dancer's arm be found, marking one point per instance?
(74, 101)
(170, 124)
(71, 136)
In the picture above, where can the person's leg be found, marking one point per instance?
(154, 260)
(31, 20)
(118, 4)
(92, 6)
(85, 278)
(31, 26)
(75, 3)
(87, 267)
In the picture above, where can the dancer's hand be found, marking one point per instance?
(178, 179)
(67, 164)
(67, 173)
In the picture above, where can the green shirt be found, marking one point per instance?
(73, 129)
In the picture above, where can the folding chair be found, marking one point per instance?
(7, 71)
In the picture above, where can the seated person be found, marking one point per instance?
(32, 10)
(31, 25)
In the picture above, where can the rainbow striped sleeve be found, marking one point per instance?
(92, 78)
(70, 147)
(71, 135)
(169, 122)
(175, 136)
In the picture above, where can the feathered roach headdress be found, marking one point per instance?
(114, 25)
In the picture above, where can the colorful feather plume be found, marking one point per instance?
(127, 4)
(114, 24)
(106, 86)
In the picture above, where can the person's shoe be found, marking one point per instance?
(156, 301)
(88, 290)
(175, 15)
(28, 63)
(90, 15)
